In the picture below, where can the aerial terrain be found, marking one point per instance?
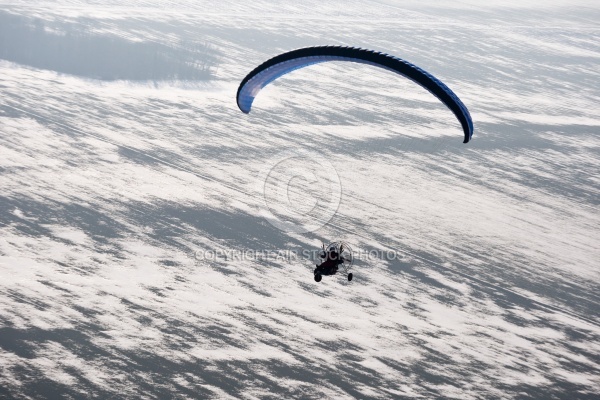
(156, 242)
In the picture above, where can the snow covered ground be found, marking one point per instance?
(125, 164)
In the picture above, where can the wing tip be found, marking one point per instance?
(468, 137)
(245, 110)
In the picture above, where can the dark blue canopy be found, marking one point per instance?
(280, 65)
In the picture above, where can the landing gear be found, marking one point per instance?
(318, 277)
(350, 276)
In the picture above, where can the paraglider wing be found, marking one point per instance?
(284, 63)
